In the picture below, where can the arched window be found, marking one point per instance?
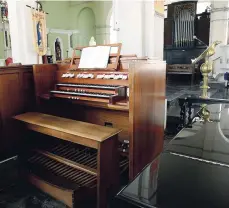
(86, 26)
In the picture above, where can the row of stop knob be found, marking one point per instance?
(99, 76)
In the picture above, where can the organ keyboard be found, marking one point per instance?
(99, 93)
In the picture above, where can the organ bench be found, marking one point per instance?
(86, 158)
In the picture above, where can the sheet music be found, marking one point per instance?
(114, 50)
(86, 58)
(94, 57)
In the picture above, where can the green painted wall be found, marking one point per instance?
(64, 40)
(82, 16)
(2, 55)
(86, 26)
(58, 16)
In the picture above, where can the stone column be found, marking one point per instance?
(219, 31)
(139, 27)
(102, 34)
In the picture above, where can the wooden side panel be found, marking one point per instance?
(117, 119)
(203, 28)
(168, 31)
(44, 78)
(108, 171)
(16, 97)
(147, 113)
(65, 196)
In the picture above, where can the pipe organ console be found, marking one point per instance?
(128, 95)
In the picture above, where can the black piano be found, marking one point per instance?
(193, 170)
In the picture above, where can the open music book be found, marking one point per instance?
(94, 57)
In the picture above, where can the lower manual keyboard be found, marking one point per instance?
(81, 94)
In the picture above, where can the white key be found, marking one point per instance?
(86, 76)
(112, 76)
(116, 76)
(120, 76)
(91, 76)
(125, 77)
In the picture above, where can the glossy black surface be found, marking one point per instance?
(206, 140)
(193, 171)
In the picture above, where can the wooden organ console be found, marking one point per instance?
(128, 95)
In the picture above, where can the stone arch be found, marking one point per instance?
(86, 26)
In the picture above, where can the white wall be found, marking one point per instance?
(21, 30)
(153, 27)
(128, 18)
(219, 31)
(140, 29)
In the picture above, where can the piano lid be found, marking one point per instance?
(192, 172)
(171, 181)
(205, 141)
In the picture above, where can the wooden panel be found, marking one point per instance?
(203, 28)
(64, 195)
(63, 125)
(168, 31)
(89, 112)
(99, 116)
(28, 92)
(108, 178)
(147, 113)
(16, 96)
(44, 78)
(65, 136)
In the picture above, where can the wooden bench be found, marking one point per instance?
(102, 140)
(182, 69)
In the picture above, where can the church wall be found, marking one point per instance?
(2, 55)
(4, 52)
(64, 43)
(86, 26)
(77, 19)
(103, 11)
(58, 16)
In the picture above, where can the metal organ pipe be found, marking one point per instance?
(189, 29)
(192, 25)
(178, 31)
(181, 28)
(184, 25)
(175, 29)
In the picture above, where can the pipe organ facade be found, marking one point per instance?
(184, 25)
